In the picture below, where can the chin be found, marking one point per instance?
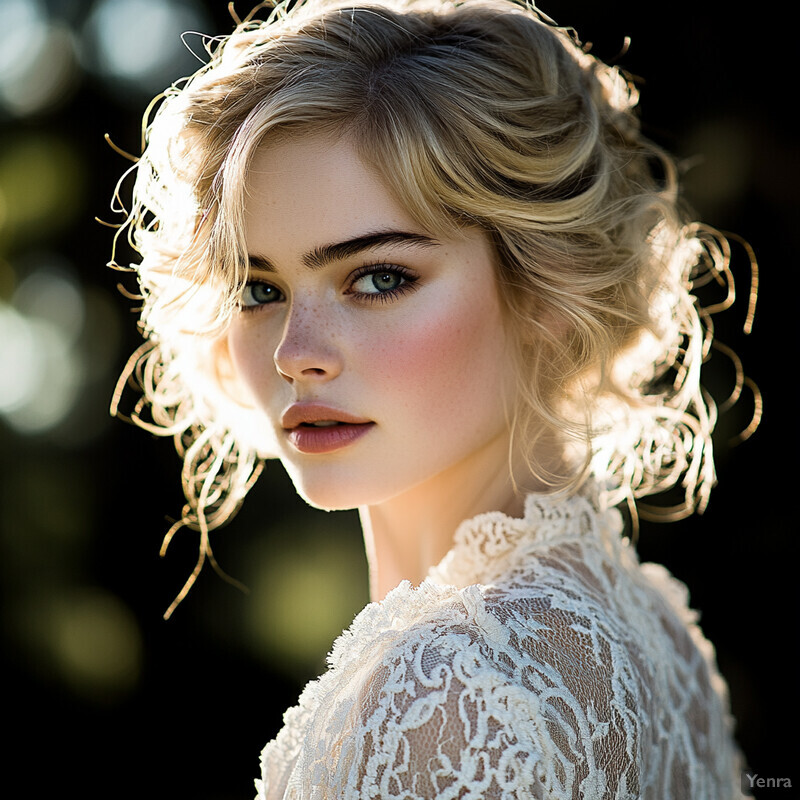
(326, 500)
(332, 491)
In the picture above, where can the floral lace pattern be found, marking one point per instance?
(539, 659)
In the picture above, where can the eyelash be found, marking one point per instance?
(408, 285)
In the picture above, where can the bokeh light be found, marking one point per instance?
(51, 293)
(88, 639)
(41, 369)
(38, 64)
(303, 591)
(146, 58)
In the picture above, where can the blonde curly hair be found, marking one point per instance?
(478, 113)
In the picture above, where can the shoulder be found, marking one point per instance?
(485, 694)
(440, 714)
(527, 689)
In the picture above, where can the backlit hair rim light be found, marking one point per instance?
(482, 113)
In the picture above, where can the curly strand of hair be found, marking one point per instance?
(722, 269)
(754, 279)
(675, 446)
(118, 150)
(213, 477)
(195, 515)
(758, 410)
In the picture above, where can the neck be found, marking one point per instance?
(408, 534)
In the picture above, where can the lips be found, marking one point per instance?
(319, 428)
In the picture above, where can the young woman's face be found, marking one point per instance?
(377, 352)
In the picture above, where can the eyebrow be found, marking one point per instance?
(325, 254)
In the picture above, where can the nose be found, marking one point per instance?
(308, 350)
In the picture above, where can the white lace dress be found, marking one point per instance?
(539, 659)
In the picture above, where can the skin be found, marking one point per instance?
(408, 332)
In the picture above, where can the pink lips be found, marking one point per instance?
(298, 422)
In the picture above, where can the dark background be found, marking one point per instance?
(102, 697)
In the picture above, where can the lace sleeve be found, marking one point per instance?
(440, 720)
(465, 708)
(510, 693)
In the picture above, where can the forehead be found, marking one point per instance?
(306, 192)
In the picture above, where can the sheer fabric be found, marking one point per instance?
(539, 659)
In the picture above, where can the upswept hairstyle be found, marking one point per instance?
(478, 113)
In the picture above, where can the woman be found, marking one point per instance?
(421, 253)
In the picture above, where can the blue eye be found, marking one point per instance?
(258, 293)
(382, 282)
(375, 282)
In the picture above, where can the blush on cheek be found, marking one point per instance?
(414, 356)
(445, 367)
